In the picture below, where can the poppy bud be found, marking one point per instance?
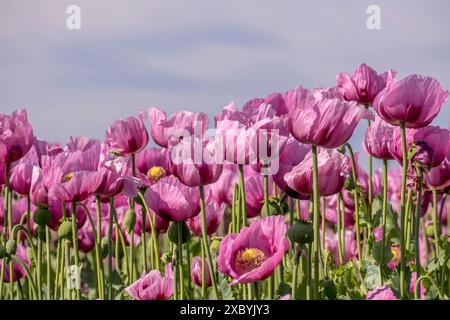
(11, 246)
(42, 216)
(65, 230)
(173, 232)
(429, 231)
(129, 220)
(215, 245)
(301, 232)
(329, 289)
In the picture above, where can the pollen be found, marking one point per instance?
(155, 173)
(67, 177)
(249, 259)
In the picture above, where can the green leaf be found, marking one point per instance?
(226, 289)
(373, 277)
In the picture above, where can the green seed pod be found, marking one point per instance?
(301, 232)
(430, 230)
(42, 216)
(11, 246)
(173, 232)
(215, 245)
(329, 289)
(2, 251)
(129, 220)
(65, 230)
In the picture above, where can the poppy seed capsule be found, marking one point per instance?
(173, 232)
(129, 221)
(429, 231)
(11, 246)
(301, 232)
(65, 230)
(42, 216)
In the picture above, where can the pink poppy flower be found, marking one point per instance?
(196, 272)
(377, 139)
(364, 85)
(331, 165)
(16, 136)
(435, 139)
(319, 120)
(22, 173)
(255, 141)
(415, 101)
(172, 200)
(293, 153)
(214, 215)
(254, 191)
(153, 286)
(181, 124)
(126, 137)
(254, 253)
(381, 293)
(153, 164)
(332, 245)
(438, 178)
(76, 186)
(196, 162)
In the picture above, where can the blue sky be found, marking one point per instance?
(199, 55)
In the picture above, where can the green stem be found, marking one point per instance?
(324, 207)
(110, 229)
(243, 204)
(436, 224)
(49, 269)
(180, 259)
(417, 221)
(383, 218)
(339, 228)
(402, 212)
(356, 201)
(39, 265)
(98, 259)
(203, 270)
(75, 243)
(153, 231)
(205, 241)
(295, 273)
(316, 221)
(98, 253)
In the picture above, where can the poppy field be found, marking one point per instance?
(265, 201)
